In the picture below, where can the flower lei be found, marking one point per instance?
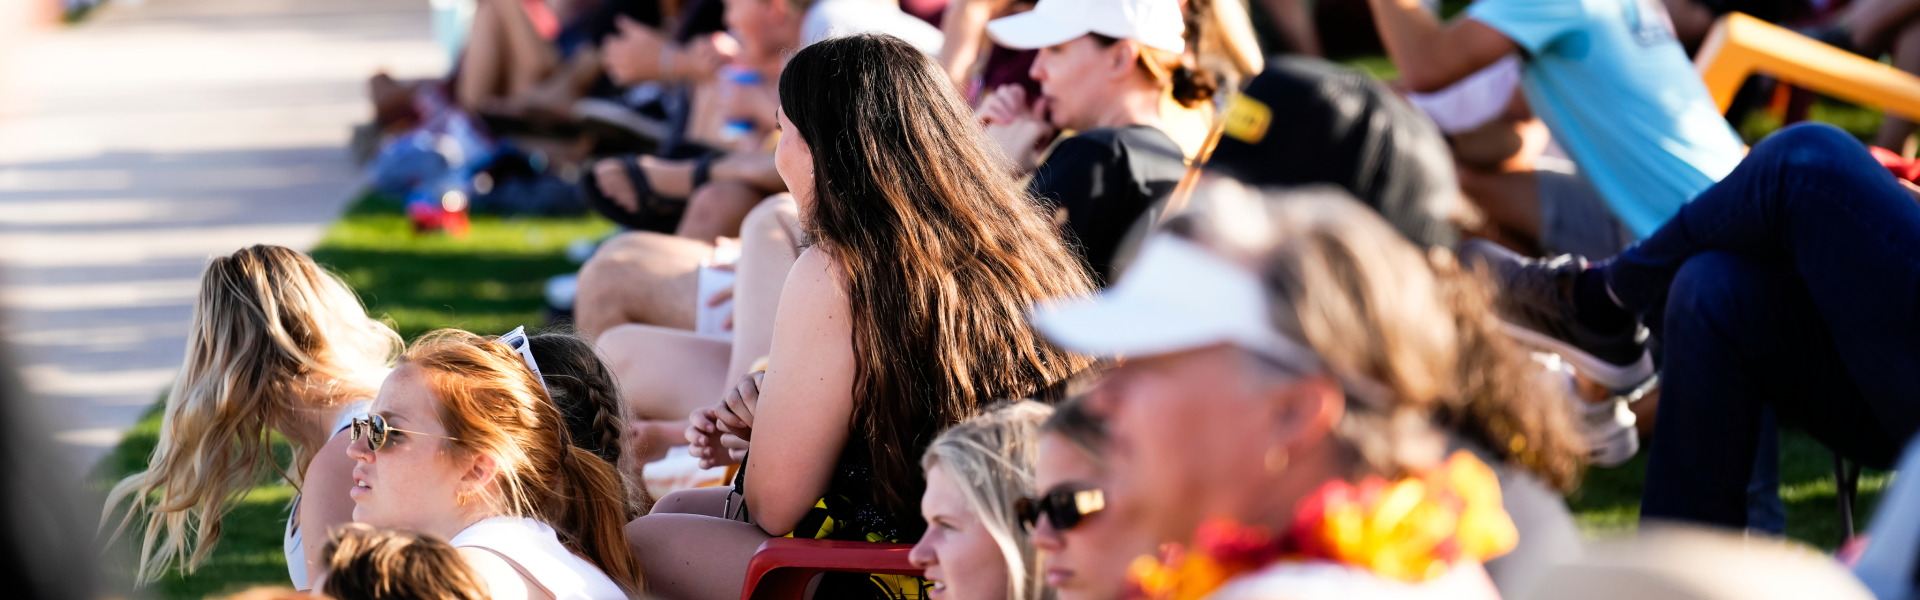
(1411, 530)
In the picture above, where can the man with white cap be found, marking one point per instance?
(1302, 347)
(1104, 68)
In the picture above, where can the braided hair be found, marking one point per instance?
(584, 391)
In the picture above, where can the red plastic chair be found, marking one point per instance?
(781, 567)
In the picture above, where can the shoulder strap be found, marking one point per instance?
(524, 574)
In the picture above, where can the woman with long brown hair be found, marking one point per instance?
(465, 443)
(276, 345)
(902, 318)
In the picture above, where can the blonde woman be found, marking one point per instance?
(465, 444)
(277, 345)
(975, 547)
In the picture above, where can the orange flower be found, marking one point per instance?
(1412, 530)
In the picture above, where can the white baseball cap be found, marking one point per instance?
(1175, 297)
(1154, 23)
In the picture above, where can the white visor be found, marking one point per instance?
(1153, 23)
(1175, 297)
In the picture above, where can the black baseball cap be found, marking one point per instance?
(1307, 121)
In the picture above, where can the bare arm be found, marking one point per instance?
(965, 25)
(1431, 55)
(806, 402)
(324, 502)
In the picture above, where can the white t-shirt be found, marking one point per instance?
(534, 549)
(1472, 102)
(834, 18)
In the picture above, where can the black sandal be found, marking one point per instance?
(656, 213)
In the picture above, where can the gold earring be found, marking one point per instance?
(463, 497)
(1276, 459)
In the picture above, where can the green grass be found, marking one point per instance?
(1860, 121)
(488, 281)
(1608, 500)
(249, 551)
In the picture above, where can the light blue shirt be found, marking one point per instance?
(1621, 97)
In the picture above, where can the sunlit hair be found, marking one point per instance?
(364, 562)
(942, 251)
(275, 341)
(1377, 309)
(588, 397)
(1221, 37)
(992, 458)
(1188, 83)
(491, 403)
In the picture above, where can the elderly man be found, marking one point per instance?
(1261, 373)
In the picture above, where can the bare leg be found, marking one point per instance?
(716, 209)
(482, 63)
(1511, 203)
(1906, 57)
(554, 97)
(640, 277)
(665, 374)
(531, 57)
(769, 244)
(706, 502)
(693, 555)
(505, 56)
(1496, 170)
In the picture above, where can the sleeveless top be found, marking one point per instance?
(297, 553)
(848, 513)
(535, 550)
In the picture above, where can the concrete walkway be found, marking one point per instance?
(151, 137)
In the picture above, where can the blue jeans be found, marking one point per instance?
(1793, 283)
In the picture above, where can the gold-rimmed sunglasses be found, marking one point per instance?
(375, 429)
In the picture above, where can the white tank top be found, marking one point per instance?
(297, 553)
(535, 549)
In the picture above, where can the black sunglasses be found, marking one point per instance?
(375, 429)
(1063, 506)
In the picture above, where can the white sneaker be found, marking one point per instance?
(1608, 425)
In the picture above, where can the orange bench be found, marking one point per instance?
(1740, 45)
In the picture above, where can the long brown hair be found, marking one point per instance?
(941, 249)
(490, 403)
(275, 340)
(1378, 309)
